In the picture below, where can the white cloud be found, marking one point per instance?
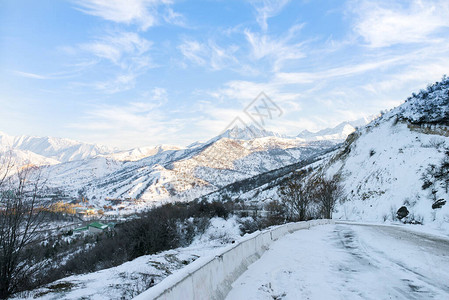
(30, 75)
(120, 83)
(193, 51)
(121, 48)
(136, 123)
(266, 9)
(208, 54)
(386, 23)
(141, 12)
(72, 72)
(157, 95)
(278, 50)
(414, 76)
(126, 52)
(351, 70)
(174, 18)
(216, 119)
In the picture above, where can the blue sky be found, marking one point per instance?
(144, 72)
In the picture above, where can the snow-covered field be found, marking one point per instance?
(350, 261)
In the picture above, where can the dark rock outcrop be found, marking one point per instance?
(438, 204)
(402, 212)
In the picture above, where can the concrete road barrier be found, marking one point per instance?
(211, 278)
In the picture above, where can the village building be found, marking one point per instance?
(96, 227)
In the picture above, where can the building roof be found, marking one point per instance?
(98, 225)
(81, 229)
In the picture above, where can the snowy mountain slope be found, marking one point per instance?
(56, 149)
(261, 189)
(74, 176)
(430, 106)
(179, 174)
(247, 133)
(140, 153)
(338, 133)
(382, 165)
(26, 157)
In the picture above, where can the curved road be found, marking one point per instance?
(349, 261)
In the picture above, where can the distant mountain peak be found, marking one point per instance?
(241, 132)
(337, 133)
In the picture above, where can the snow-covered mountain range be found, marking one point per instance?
(50, 150)
(164, 172)
(177, 174)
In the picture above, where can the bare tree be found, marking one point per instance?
(275, 212)
(295, 195)
(326, 192)
(6, 165)
(21, 217)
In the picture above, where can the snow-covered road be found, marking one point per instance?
(348, 261)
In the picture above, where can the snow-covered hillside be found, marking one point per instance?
(393, 162)
(133, 277)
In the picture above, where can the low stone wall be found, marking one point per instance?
(211, 278)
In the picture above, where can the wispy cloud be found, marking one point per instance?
(120, 83)
(73, 71)
(126, 52)
(143, 13)
(30, 75)
(266, 9)
(386, 23)
(422, 66)
(175, 18)
(278, 50)
(254, 52)
(136, 123)
(350, 70)
(208, 54)
(125, 49)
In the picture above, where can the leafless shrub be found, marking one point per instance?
(296, 196)
(326, 192)
(22, 216)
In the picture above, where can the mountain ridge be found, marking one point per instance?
(338, 133)
(58, 149)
